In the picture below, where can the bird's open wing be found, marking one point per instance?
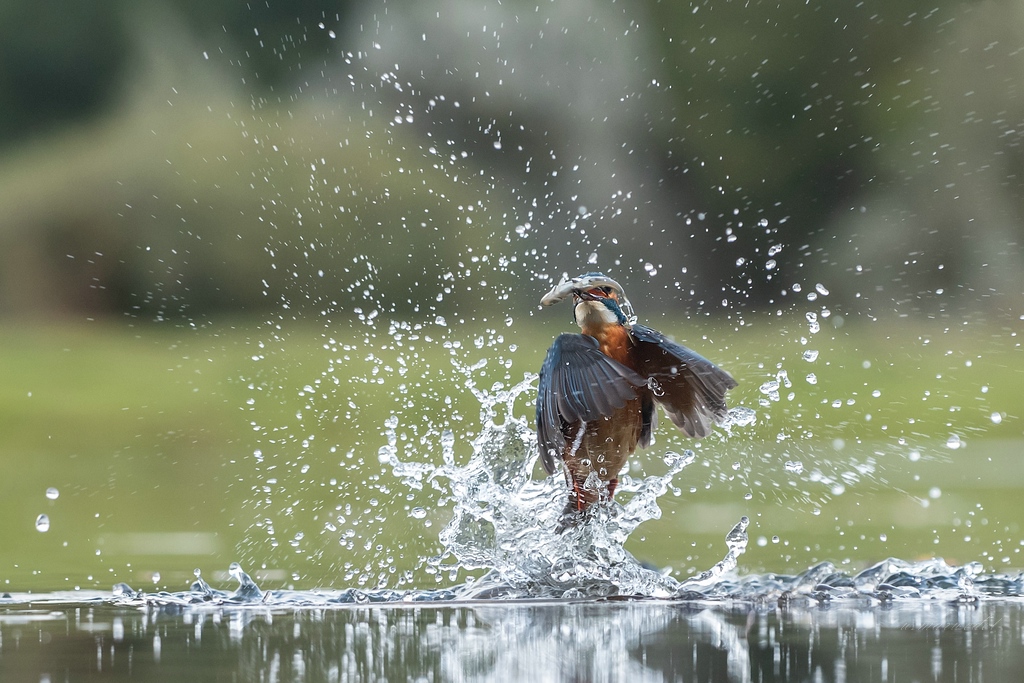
(690, 387)
(578, 383)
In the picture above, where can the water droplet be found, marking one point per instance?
(914, 456)
(417, 513)
(996, 418)
(774, 249)
(740, 417)
(812, 378)
(821, 289)
(953, 442)
(934, 492)
(53, 493)
(810, 355)
(770, 264)
(156, 577)
(122, 590)
(42, 523)
(794, 466)
(883, 538)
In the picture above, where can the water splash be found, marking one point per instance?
(820, 586)
(503, 522)
(736, 540)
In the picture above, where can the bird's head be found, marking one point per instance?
(597, 300)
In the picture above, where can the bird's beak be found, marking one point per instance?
(592, 294)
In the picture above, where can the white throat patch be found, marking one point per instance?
(593, 313)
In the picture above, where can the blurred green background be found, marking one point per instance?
(236, 238)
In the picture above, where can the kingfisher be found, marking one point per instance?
(598, 391)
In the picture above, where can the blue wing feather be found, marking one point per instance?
(578, 383)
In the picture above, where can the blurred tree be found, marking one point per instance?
(671, 142)
(59, 62)
(62, 61)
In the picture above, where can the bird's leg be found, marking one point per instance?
(575, 508)
(576, 497)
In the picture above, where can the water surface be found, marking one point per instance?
(52, 638)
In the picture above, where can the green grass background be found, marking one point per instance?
(149, 433)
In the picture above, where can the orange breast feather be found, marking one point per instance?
(615, 343)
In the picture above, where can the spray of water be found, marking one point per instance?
(504, 520)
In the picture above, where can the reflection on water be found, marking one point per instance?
(925, 640)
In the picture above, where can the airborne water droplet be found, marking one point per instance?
(53, 493)
(42, 523)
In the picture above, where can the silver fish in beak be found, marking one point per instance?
(581, 286)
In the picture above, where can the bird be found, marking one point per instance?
(598, 392)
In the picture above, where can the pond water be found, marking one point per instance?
(329, 637)
(534, 604)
